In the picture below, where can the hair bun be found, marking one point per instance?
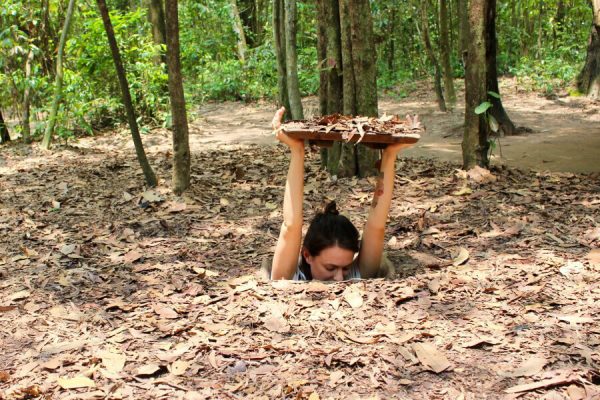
(331, 208)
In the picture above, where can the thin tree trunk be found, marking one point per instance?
(463, 27)
(497, 111)
(335, 101)
(181, 145)
(238, 28)
(365, 78)
(348, 76)
(475, 138)
(59, 78)
(588, 81)
(4, 135)
(538, 53)
(25, 129)
(279, 42)
(291, 55)
(437, 80)
(449, 93)
(322, 59)
(156, 15)
(135, 133)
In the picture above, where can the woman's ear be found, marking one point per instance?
(306, 255)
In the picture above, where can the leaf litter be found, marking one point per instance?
(124, 292)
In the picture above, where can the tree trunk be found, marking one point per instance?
(135, 134)
(156, 15)
(59, 78)
(4, 135)
(335, 88)
(291, 58)
(497, 111)
(25, 129)
(322, 60)
(437, 80)
(279, 42)
(181, 144)
(538, 52)
(238, 28)
(449, 93)
(463, 28)
(475, 138)
(588, 81)
(348, 80)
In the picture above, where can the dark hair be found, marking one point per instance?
(328, 229)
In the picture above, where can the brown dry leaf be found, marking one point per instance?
(428, 260)
(20, 295)
(148, 369)
(481, 175)
(461, 257)
(559, 378)
(68, 249)
(179, 367)
(132, 256)
(530, 367)
(113, 362)
(175, 207)
(7, 308)
(334, 377)
(277, 324)
(316, 287)
(314, 396)
(212, 360)
(76, 382)
(594, 257)
(575, 319)
(465, 190)
(4, 376)
(152, 196)
(53, 363)
(576, 392)
(353, 296)
(164, 311)
(430, 357)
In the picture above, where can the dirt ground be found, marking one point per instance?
(565, 130)
(112, 290)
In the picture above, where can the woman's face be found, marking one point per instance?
(332, 263)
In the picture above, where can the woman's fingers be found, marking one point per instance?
(276, 123)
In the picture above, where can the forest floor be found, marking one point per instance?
(109, 290)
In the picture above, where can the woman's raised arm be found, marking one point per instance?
(285, 259)
(371, 248)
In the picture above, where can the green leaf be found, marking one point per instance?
(483, 107)
(493, 94)
(493, 123)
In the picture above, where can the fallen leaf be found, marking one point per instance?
(68, 249)
(152, 196)
(575, 319)
(576, 392)
(561, 378)
(334, 377)
(148, 369)
(20, 295)
(224, 202)
(7, 308)
(212, 360)
(164, 311)
(461, 257)
(529, 367)
(132, 256)
(277, 324)
(480, 175)
(113, 362)
(430, 357)
(572, 268)
(4, 376)
(179, 367)
(52, 364)
(465, 190)
(176, 207)
(314, 396)
(76, 382)
(594, 257)
(353, 296)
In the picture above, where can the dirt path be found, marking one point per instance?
(565, 137)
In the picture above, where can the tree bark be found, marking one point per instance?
(334, 57)
(135, 133)
(588, 81)
(181, 145)
(291, 55)
(449, 92)
(279, 43)
(348, 75)
(463, 27)
(4, 135)
(59, 78)
(475, 138)
(322, 60)
(238, 28)
(25, 128)
(437, 79)
(497, 111)
(156, 15)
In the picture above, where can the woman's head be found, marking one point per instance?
(330, 245)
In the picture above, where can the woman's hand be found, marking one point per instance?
(292, 143)
(393, 149)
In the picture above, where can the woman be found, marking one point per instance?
(332, 250)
